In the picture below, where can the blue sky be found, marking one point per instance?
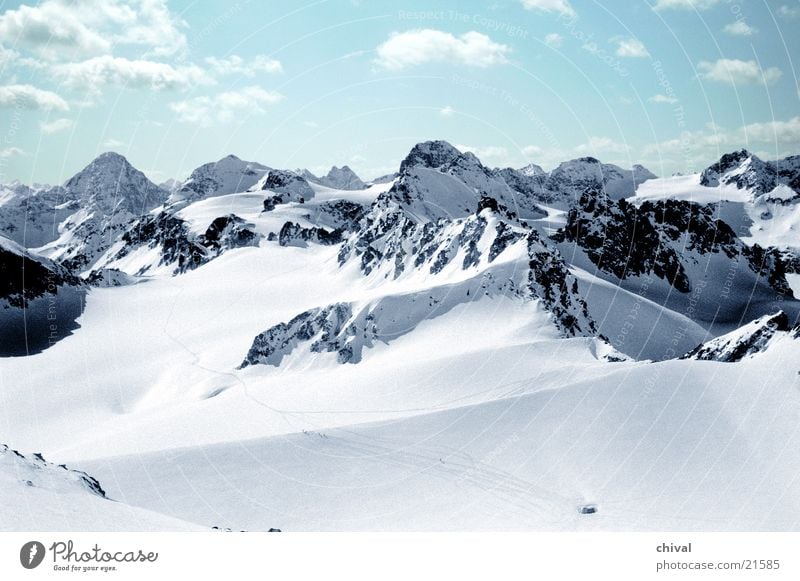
(173, 84)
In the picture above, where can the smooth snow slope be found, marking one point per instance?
(36, 495)
(676, 445)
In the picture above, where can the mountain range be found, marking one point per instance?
(272, 334)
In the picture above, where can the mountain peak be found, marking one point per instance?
(742, 169)
(110, 181)
(431, 154)
(111, 156)
(226, 176)
(342, 178)
(531, 170)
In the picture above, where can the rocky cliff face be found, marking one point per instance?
(665, 239)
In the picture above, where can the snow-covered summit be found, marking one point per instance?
(436, 180)
(338, 178)
(531, 170)
(226, 176)
(742, 169)
(110, 184)
(747, 171)
(571, 178)
(433, 155)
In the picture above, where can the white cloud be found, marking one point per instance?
(155, 27)
(783, 132)
(64, 29)
(311, 124)
(736, 72)
(236, 65)
(554, 40)
(224, 107)
(663, 99)
(447, 111)
(788, 11)
(563, 7)
(740, 28)
(601, 145)
(489, 152)
(7, 56)
(10, 152)
(532, 150)
(29, 97)
(630, 47)
(702, 146)
(113, 143)
(55, 126)
(98, 72)
(416, 47)
(685, 4)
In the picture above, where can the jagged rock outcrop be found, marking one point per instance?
(749, 340)
(293, 234)
(664, 238)
(288, 187)
(179, 249)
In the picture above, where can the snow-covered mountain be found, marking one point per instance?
(759, 199)
(453, 348)
(436, 181)
(106, 195)
(338, 178)
(563, 186)
(226, 176)
(110, 185)
(287, 187)
(681, 254)
(572, 178)
(171, 185)
(30, 215)
(747, 172)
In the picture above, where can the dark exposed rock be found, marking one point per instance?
(292, 234)
(179, 246)
(657, 237)
(749, 340)
(293, 187)
(25, 276)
